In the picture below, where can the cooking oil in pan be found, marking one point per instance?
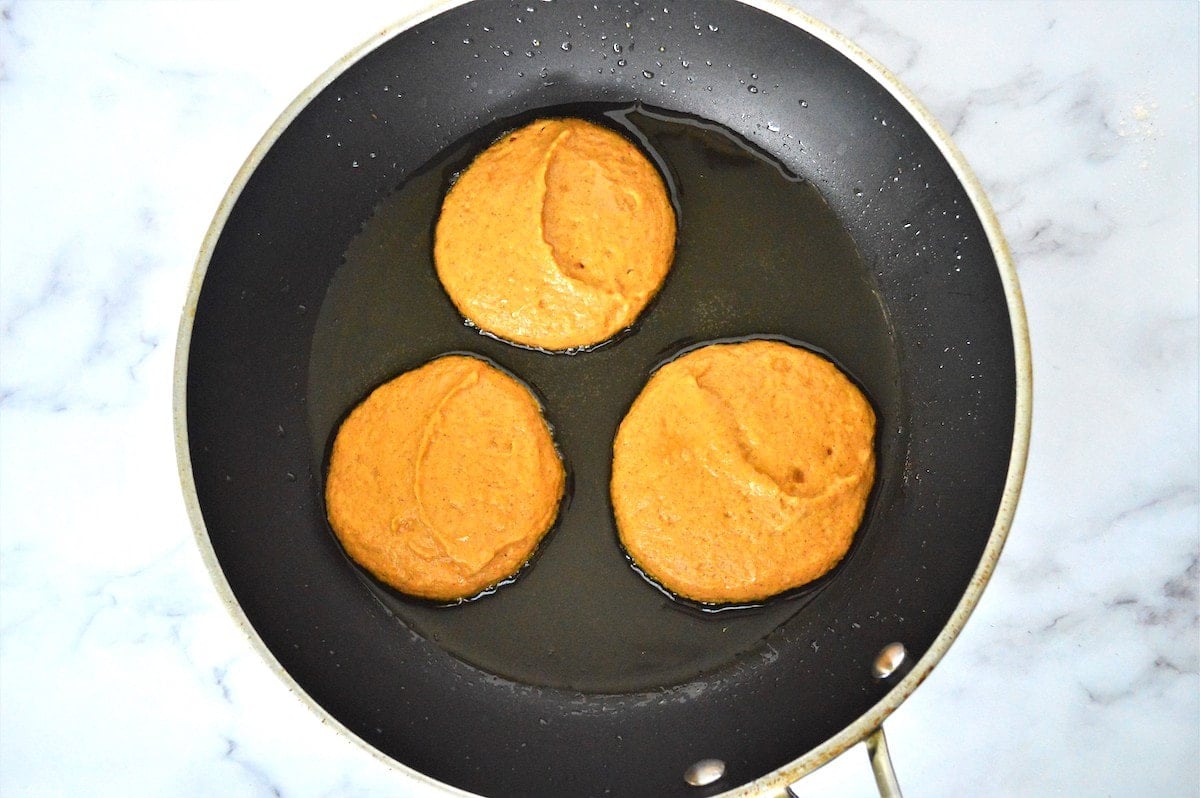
(759, 253)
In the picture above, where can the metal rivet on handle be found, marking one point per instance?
(889, 658)
(704, 772)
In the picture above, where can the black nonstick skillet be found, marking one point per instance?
(817, 203)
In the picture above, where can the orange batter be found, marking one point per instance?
(443, 481)
(742, 470)
(556, 236)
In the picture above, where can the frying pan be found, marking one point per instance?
(817, 203)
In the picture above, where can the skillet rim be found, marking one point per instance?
(773, 784)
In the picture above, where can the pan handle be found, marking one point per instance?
(881, 763)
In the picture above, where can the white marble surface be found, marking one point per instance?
(121, 124)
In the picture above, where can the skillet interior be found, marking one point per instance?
(267, 379)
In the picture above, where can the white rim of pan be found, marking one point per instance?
(775, 783)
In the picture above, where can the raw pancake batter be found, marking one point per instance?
(443, 481)
(556, 236)
(742, 470)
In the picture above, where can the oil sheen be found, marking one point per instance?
(759, 253)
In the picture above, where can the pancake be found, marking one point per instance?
(556, 236)
(443, 481)
(742, 470)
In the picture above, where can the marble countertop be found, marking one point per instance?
(122, 124)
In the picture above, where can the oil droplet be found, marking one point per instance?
(616, 47)
(506, 53)
(804, 103)
(566, 47)
(752, 89)
(621, 62)
(647, 74)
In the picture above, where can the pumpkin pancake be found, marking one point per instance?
(443, 481)
(556, 236)
(742, 470)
